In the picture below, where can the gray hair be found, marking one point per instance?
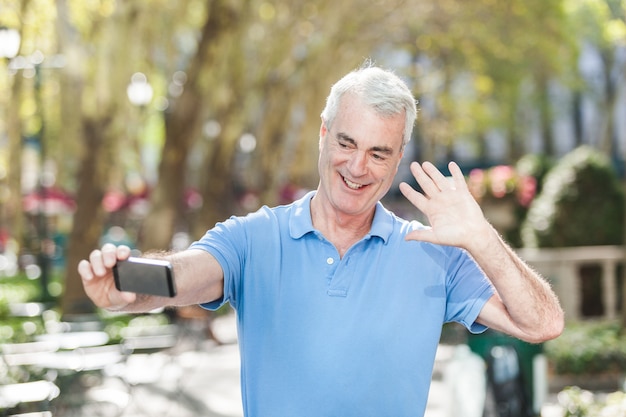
(381, 89)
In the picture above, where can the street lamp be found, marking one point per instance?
(140, 93)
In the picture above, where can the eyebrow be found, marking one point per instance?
(381, 149)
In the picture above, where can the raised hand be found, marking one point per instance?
(454, 216)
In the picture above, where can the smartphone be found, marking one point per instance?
(145, 276)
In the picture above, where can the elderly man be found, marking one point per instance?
(339, 302)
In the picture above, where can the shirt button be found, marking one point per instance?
(330, 261)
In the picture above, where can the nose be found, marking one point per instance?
(357, 164)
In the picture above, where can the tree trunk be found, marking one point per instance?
(623, 295)
(89, 216)
(218, 193)
(12, 217)
(181, 126)
(606, 130)
(545, 114)
(99, 133)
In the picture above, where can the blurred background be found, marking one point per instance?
(145, 122)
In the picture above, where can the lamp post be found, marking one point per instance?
(9, 211)
(140, 93)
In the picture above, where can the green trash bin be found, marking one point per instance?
(529, 376)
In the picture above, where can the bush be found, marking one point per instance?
(18, 289)
(588, 348)
(535, 165)
(577, 402)
(581, 203)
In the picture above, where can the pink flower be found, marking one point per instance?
(476, 183)
(526, 191)
(501, 181)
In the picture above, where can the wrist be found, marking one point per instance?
(484, 238)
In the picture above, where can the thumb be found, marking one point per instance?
(120, 299)
(423, 235)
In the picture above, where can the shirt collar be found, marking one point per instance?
(301, 223)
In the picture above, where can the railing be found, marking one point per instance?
(562, 267)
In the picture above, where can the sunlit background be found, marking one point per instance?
(145, 122)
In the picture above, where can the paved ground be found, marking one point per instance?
(205, 382)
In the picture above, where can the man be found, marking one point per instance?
(339, 302)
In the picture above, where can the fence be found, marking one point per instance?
(587, 279)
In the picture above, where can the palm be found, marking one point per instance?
(454, 216)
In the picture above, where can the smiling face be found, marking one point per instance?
(359, 157)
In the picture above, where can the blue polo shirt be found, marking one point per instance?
(321, 335)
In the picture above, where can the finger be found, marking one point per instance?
(423, 179)
(422, 235)
(97, 263)
(441, 181)
(84, 270)
(120, 299)
(123, 252)
(109, 255)
(457, 175)
(416, 198)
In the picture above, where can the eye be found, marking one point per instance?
(345, 144)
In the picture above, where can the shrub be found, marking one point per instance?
(588, 348)
(535, 165)
(504, 189)
(581, 203)
(577, 402)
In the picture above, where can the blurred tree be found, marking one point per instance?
(265, 67)
(227, 69)
(476, 62)
(182, 123)
(572, 208)
(602, 26)
(98, 35)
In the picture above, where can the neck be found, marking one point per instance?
(342, 230)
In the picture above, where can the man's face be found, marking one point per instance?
(359, 156)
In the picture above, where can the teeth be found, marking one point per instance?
(351, 184)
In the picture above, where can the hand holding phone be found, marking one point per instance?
(145, 276)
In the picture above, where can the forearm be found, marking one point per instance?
(531, 308)
(524, 304)
(198, 278)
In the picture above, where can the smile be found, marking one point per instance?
(352, 185)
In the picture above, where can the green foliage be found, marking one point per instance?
(588, 348)
(536, 166)
(581, 203)
(114, 323)
(577, 402)
(18, 289)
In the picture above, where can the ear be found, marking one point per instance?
(323, 129)
(399, 160)
(323, 133)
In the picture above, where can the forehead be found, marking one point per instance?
(362, 124)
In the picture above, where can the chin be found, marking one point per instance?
(354, 205)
